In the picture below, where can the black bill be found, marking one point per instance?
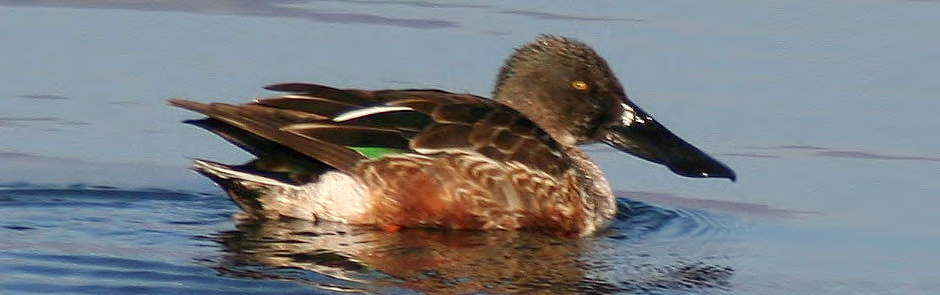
(640, 135)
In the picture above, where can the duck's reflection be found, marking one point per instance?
(437, 261)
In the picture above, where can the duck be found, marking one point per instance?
(428, 158)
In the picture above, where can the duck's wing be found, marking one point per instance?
(341, 127)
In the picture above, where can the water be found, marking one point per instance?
(823, 108)
(102, 240)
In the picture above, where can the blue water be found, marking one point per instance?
(824, 108)
(86, 239)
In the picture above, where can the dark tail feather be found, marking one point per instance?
(257, 122)
(244, 185)
(274, 160)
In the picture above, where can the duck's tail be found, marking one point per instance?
(243, 184)
(264, 195)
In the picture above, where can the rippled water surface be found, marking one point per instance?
(105, 240)
(824, 108)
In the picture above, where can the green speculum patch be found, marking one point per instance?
(373, 152)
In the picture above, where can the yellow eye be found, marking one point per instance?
(580, 85)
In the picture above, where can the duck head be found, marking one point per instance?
(570, 91)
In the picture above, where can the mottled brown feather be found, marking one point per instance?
(448, 121)
(440, 120)
(460, 190)
(355, 136)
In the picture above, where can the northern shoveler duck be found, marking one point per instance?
(434, 159)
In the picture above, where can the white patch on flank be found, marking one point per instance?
(337, 197)
(359, 113)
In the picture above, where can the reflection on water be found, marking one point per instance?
(171, 241)
(106, 240)
(39, 123)
(820, 151)
(470, 261)
(280, 8)
(555, 16)
(294, 9)
(43, 96)
(735, 208)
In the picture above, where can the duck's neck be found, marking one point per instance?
(544, 115)
(598, 196)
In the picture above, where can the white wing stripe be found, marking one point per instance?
(359, 113)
